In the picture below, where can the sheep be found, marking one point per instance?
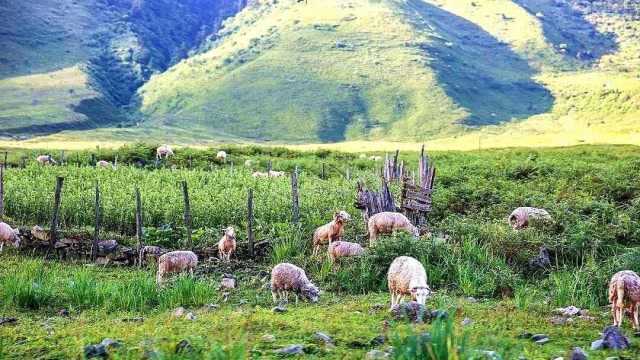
(8, 235)
(248, 163)
(164, 151)
(221, 155)
(46, 160)
(522, 217)
(104, 164)
(406, 276)
(387, 222)
(149, 252)
(375, 158)
(331, 231)
(175, 262)
(362, 156)
(271, 173)
(227, 244)
(624, 293)
(287, 277)
(338, 249)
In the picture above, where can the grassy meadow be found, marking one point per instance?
(476, 264)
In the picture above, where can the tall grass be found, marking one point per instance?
(442, 343)
(28, 287)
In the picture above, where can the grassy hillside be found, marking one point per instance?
(511, 72)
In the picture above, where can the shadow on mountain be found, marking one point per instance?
(478, 72)
(569, 31)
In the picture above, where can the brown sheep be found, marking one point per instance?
(624, 293)
(522, 217)
(388, 222)
(227, 244)
(338, 249)
(150, 252)
(406, 276)
(8, 235)
(331, 231)
(176, 262)
(287, 277)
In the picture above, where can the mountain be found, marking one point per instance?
(322, 70)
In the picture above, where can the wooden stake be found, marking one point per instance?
(56, 212)
(295, 200)
(322, 174)
(61, 157)
(250, 222)
(96, 233)
(269, 166)
(5, 159)
(2, 191)
(139, 225)
(348, 175)
(187, 214)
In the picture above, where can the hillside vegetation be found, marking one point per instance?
(512, 72)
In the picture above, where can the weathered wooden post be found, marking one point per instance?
(23, 162)
(187, 213)
(93, 160)
(295, 200)
(61, 157)
(396, 175)
(322, 173)
(2, 191)
(115, 161)
(348, 174)
(190, 162)
(5, 159)
(56, 213)
(250, 222)
(269, 166)
(96, 232)
(139, 225)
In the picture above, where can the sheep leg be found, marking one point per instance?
(274, 295)
(635, 316)
(191, 271)
(614, 314)
(620, 315)
(1, 246)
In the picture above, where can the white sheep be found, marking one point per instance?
(287, 278)
(338, 249)
(164, 151)
(406, 276)
(176, 262)
(45, 160)
(624, 293)
(105, 164)
(387, 222)
(227, 244)
(522, 217)
(221, 155)
(9, 235)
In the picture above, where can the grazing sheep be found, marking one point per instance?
(331, 231)
(624, 293)
(406, 276)
(271, 173)
(387, 222)
(287, 277)
(375, 158)
(221, 155)
(149, 252)
(522, 217)
(8, 235)
(105, 164)
(227, 244)
(338, 249)
(175, 262)
(362, 156)
(248, 163)
(164, 151)
(45, 160)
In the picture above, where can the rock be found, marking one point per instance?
(102, 349)
(190, 316)
(568, 311)
(376, 355)
(133, 319)
(324, 338)
(377, 341)
(439, 315)
(541, 261)
(537, 337)
(184, 346)
(489, 355)
(560, 320)
(178, 312)
(296, 349)
(63, 312)
(211, 307)
(377, 307)
(472, 300)
(279, 309)
(227, 284)
(412, 311)
(8, 320)
(597, 345)
(578, 354)
(466, 322)
(268, 338)
(614, 339)
(543, 341)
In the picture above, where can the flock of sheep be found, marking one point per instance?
(406, 276)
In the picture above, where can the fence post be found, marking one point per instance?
(115, 162)
(250, 222)
(187, 213)
(348, 174)
(56, 212)
(5, 159)
(269, 166)
(2, 191)
(139, 225)
(295, 200)
(61, 157)
(96, 233)
(93, 160)
(190, 162)
(23, 162)
(322, 173)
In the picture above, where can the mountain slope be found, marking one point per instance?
(324, 71)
